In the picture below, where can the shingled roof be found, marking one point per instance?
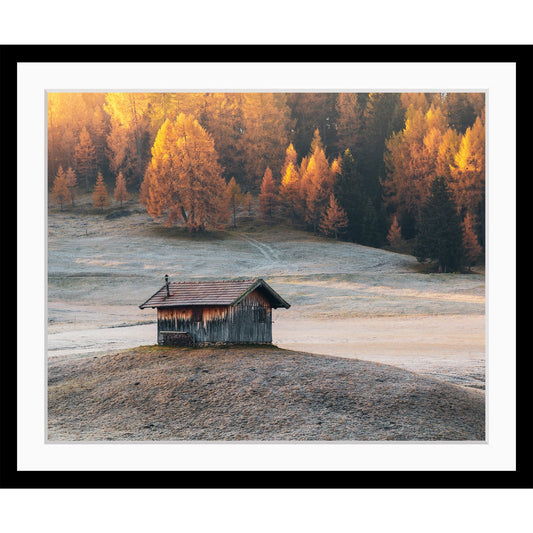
(230, 292)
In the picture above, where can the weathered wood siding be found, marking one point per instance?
(248, 322)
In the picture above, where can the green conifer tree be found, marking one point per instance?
(440, 234)
(370, 235)
(349, 194)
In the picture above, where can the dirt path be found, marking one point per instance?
(267, 251)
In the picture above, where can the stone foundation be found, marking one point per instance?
(175, 338)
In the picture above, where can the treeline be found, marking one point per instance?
(358, 165)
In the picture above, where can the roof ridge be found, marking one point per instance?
(215, 281)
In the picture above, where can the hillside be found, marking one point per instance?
(252, 393)
(346, 299)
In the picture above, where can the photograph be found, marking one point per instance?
(265, 267)
(284, 266)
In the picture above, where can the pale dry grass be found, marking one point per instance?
(346, 300)
(258, 393)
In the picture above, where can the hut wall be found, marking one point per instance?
(250, 321)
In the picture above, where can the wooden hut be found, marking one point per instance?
(215, 312)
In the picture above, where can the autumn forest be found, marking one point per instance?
(404, 170)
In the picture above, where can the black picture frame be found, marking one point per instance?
(11, 477)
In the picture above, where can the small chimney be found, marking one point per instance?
(167, 284)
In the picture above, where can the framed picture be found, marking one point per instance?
(272, 273)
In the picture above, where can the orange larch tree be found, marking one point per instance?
(394, 237)
(234, 197)
(468, 172)
(268, 197)
(129, 129)
(448, 148)
(68, 113)
(317, 183)
(98, 130)
(220, 114)
(120, 193)
(184, 179)
(471, 247)
(265, 128)
(417, 100)
(72, 183)
(336, 167)
(100, 195)
(85, 158)
(416, 155)
(291, 157)
(334, 220)
(289, 192)
(301, 187)
(60, 191)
